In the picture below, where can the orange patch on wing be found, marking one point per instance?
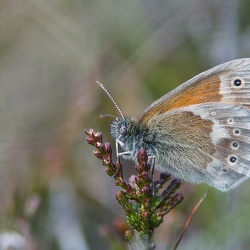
(207, 90)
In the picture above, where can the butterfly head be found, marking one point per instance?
(131, 136)
(122, 130)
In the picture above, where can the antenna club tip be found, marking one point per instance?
(99, 83)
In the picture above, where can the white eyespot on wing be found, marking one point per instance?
(235, 145)
(223, 177)
(235, 85)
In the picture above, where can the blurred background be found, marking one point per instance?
(54, 194)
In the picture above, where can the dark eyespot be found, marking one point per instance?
(237, 82)
(230, 120)
(224, 170)
(236, 131)
(235, 144)
(232, 159)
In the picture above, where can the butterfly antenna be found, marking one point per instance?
(119, 110)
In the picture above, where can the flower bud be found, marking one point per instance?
(97, 154)
(142, 156)
(128, 235)
(146, 214)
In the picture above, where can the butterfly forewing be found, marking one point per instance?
(219, 84)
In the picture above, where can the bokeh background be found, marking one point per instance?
(54, 194)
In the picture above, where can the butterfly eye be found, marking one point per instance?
(123, 129)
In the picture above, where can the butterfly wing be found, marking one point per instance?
(203, 126)
(219, 84)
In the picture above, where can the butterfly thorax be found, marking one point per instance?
(132, 136)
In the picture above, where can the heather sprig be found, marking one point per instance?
(140, 197)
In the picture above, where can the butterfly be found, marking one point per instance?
(198, 132)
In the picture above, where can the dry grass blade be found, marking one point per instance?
(190, 218)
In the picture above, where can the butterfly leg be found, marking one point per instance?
(118, 154)
(152, 163)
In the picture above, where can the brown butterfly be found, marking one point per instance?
(200, 131)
